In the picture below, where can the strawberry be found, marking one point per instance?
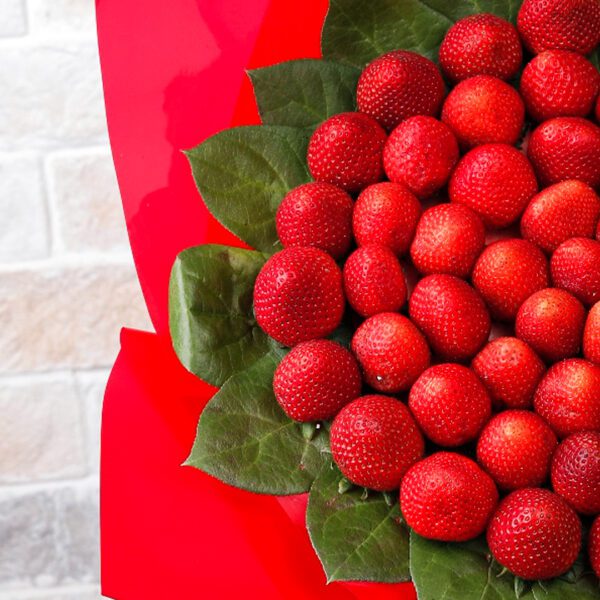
(391, 351)
(399, 85)
(449, 238)
(576, 471)
(315, 380)
(516, 448)
(482, 44)
(450, 404)
(568, 397)
(551, 321)
(510, 370)
(318, 215)
(496, 181)
(594, 546)
(346, 150)
(374, 281)
(413, 143)
(560, 25)
(559, 83)
(447, 497)
(507, 273)
(535, 534)
(484, 110)
(560, 212)
(591, 335)
(566, 148)
(451, 314)
(575, 267)
(298, 296)
(386, 213)
(374, 441)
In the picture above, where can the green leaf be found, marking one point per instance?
(212, 325)
(245, 439)
(586, 588)
(303, 93)
(357, 31)
(244, 173)
(356, 540)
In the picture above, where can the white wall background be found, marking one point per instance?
(67, 285)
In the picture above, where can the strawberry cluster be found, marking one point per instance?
(464, 256)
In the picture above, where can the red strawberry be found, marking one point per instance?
(575, 267)
(481, 44)
(399, 85)
(391, 351)
(374, 441)
(559, 83)
(315, 380)
(566, 148)
(591, 335)
(387, 214)
(484, 110)
(447, 497)
(298, 296)
(594, 546)
(576, 471)
(516, 448)
(316, 214)
(535, 534)
(551, 322)
(374, 281)
(507, 273)
(510, 370)
(449, 239)
(452, 316)
(496, 181)
(558, 213)
(560, 25)
(450, 404)
(568, 397)
(413, 143)
(347, 150)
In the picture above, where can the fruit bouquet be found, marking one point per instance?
(410, 334)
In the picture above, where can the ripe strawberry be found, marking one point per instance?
(391, 351)
(298, 296)
(481, 44)
(449, 239)
(387, 214)
(450, 404)
(346, 150)
(413, 143)
(447, 497)
(318, 215)
(576, 471)
(560, 212)
(594, 546)
(496, 181)
(591, 335)
(510, 370)
(535, 534)
(559, 83)
(399, 85)
(484, 110)
(451, 314)
(516, 448)
(575, 267)
(374, 441)
(315, 380)
(560, 25)
(568, 397)
(566, 148)
(374, 281)
(507, 273)
(551, 322)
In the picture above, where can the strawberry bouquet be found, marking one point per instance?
(414, 338)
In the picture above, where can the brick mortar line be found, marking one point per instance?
(88, 481)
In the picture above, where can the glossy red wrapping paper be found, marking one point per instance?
(173, 74)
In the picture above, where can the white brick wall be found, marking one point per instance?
(67, 284)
